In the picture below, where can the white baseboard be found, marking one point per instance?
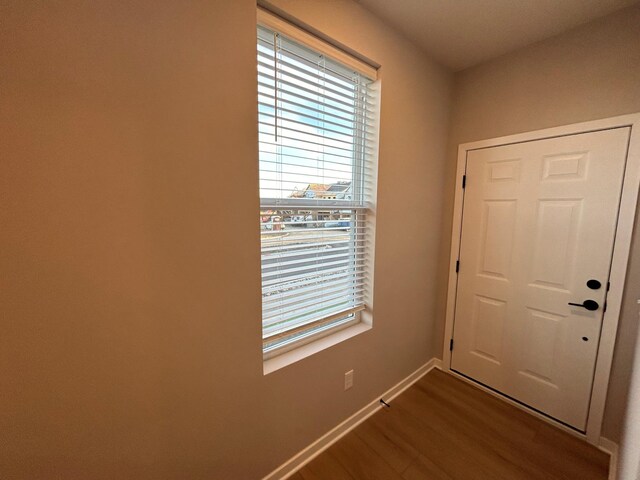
(296, 462)
(611, 448)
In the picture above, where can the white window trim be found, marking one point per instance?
(316, 342)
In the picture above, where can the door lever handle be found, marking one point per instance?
(588, 304)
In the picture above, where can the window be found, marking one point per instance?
(317, 110)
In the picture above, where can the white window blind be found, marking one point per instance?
(317, 151)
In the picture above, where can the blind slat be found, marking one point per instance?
(294, 137)
(325, 274)
(309, 103)
(266, 50)
(316, 296)
(312, 122)
(332, 264)
(291, 296)
(290, 82)
(288, 127)
(312, 305)
(318, 117)
(272, 294)
(293, 127)
(296, 76)
(302, 256)
(284, 247)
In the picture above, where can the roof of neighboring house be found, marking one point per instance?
(339, 187)
(318, 187)
(313, 187)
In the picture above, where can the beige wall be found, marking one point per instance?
(588, 73)
(129, 247)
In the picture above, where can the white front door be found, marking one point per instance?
(538, 229)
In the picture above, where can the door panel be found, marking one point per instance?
(488, 323)
(539, 222)
(554, 248)
(497, 238)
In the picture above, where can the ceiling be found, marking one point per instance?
(463, 33)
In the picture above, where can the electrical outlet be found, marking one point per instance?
(348, 380)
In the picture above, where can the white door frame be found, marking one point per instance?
(621, 248)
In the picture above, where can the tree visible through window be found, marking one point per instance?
(316, 133)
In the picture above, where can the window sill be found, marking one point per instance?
(292, 356)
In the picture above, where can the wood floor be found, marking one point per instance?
(444, 429)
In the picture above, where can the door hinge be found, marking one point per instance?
(604, 307)
(608, 286)
(464, 181)
(457, 266)
(451, 345)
